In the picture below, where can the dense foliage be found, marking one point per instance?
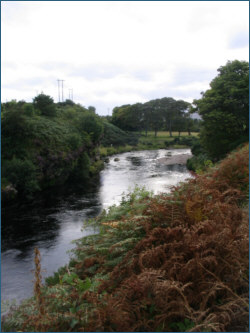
(44, 144)
(224, 109)
(173, 262)
(159, 114)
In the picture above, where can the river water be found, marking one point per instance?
(53, 221)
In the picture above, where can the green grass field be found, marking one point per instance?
(165, 134)
(158, 142)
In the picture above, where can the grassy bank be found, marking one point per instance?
(150, 142)
(172, 262)
(164, 140)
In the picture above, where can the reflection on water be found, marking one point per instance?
(54, 220)
(48, 225)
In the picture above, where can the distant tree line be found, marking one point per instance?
(165, 114)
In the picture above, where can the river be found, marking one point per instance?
(51, 222)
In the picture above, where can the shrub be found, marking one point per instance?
(90, 123)
(199, 163)
(96, 167)
(22, 174)
(45, 104)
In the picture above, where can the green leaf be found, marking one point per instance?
(84, 285)
(69, 278)
(72, 310)
(73, 323)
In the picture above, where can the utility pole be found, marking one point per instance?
(71, 94)
(58, 81)
(62, 89)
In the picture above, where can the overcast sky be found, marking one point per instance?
(118, 52)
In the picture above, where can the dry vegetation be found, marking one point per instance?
(173, 262)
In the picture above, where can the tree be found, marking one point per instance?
(69, 102)
(136, 117)
(189, 123)
(146, 117)
(180, 107)
(45, 104)
(128, 117)
(118, 115)
(224, 109)
(28, 109)
(92, 109)
(16, 131)
(154, 114)
(90, 123)
(180, 124)
(169, 107)
(173, 113)
(22, 174)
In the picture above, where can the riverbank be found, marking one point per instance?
(150, 142)
(54, 218)
(84, 167)
(172, 262)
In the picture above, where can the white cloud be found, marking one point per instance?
(240, 39)
(118, 52)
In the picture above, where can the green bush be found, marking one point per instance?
(96, 167)
(74, 141)
(90, 123)
(22, 174)
(45, 104)
(199, 163)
